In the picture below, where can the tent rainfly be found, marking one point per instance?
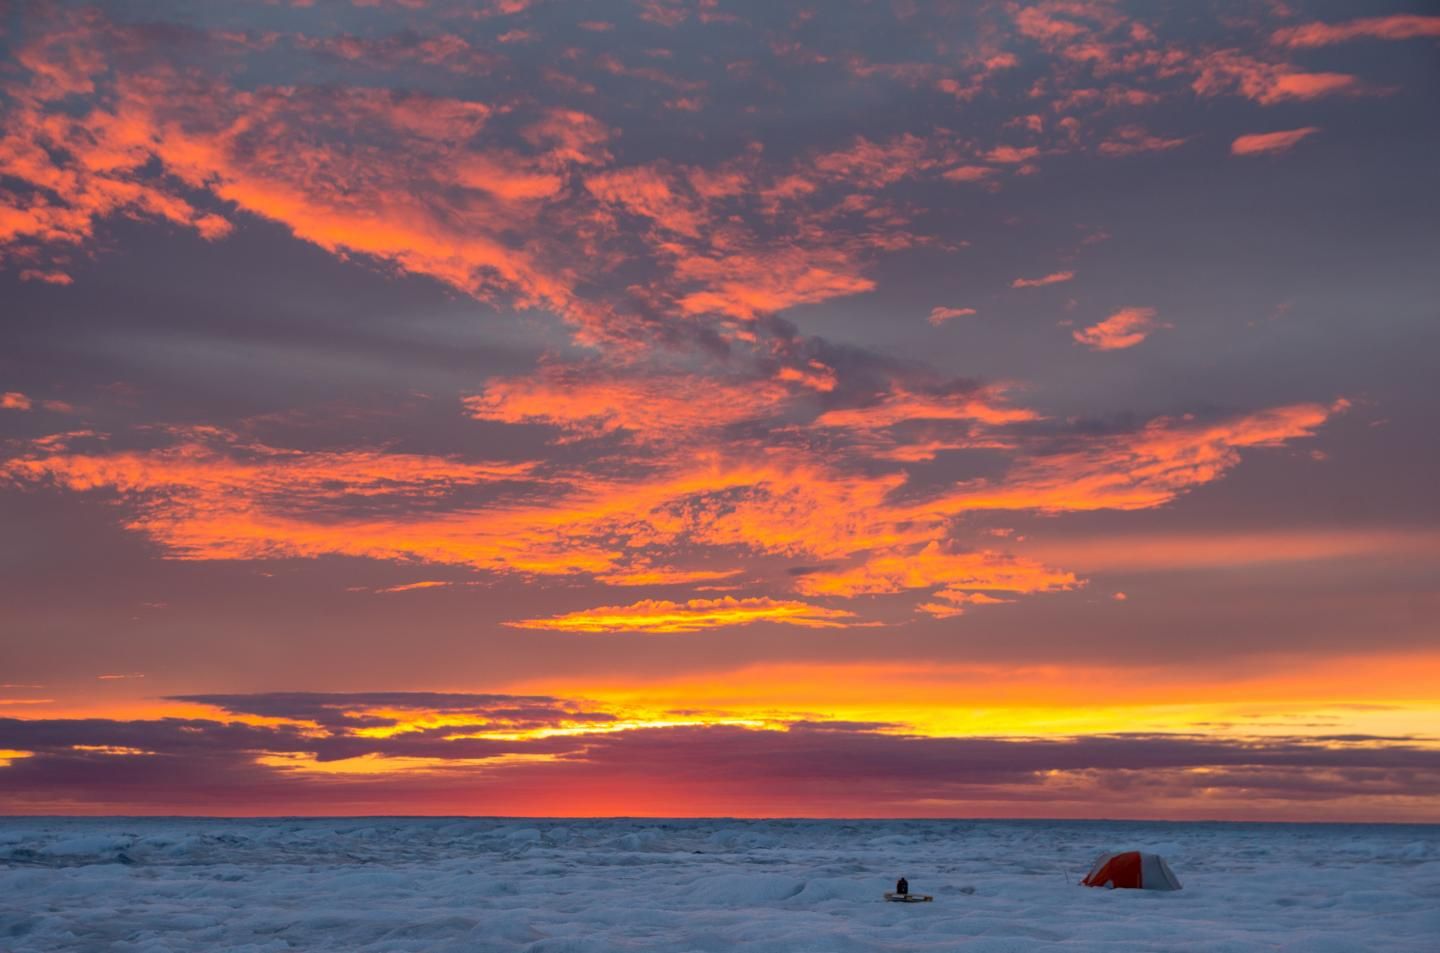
(1134, 869)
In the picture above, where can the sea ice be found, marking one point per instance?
(450, 885)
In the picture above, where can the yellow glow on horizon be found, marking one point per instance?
(409, 720)
(1384, 695)
(625, 724)
(379, 764)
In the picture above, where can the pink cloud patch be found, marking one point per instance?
(939, 316)
(1270, 142)
(1125, 328)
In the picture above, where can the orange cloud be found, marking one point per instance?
(590, 402)
(1125, 328)
(648, 193)
(1270, 142)
(815, 375)
(930, 566)
(748, 284)
(433, 188)
(508, 177)
(1053, 278)
(666, 576)
(427, 184)
(14, 400)
(215, 496)
(1141, 470)
(984, 405)
(446, 187)
(831, 497)
(1398, 27)
(954, 603)
(264, 150)
(655, 616)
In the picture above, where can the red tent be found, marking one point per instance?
(1132, 868)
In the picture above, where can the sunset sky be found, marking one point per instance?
(891, 408)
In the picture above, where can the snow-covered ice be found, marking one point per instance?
(370, 884)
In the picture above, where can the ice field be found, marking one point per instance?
(588, 886)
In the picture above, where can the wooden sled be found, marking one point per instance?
(908, 897)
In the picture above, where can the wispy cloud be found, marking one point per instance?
(1132, 140)
(1270, 142)
(658, 616)
(1054, 278)
(939, 316)
(1397, 27)
(413, 586)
